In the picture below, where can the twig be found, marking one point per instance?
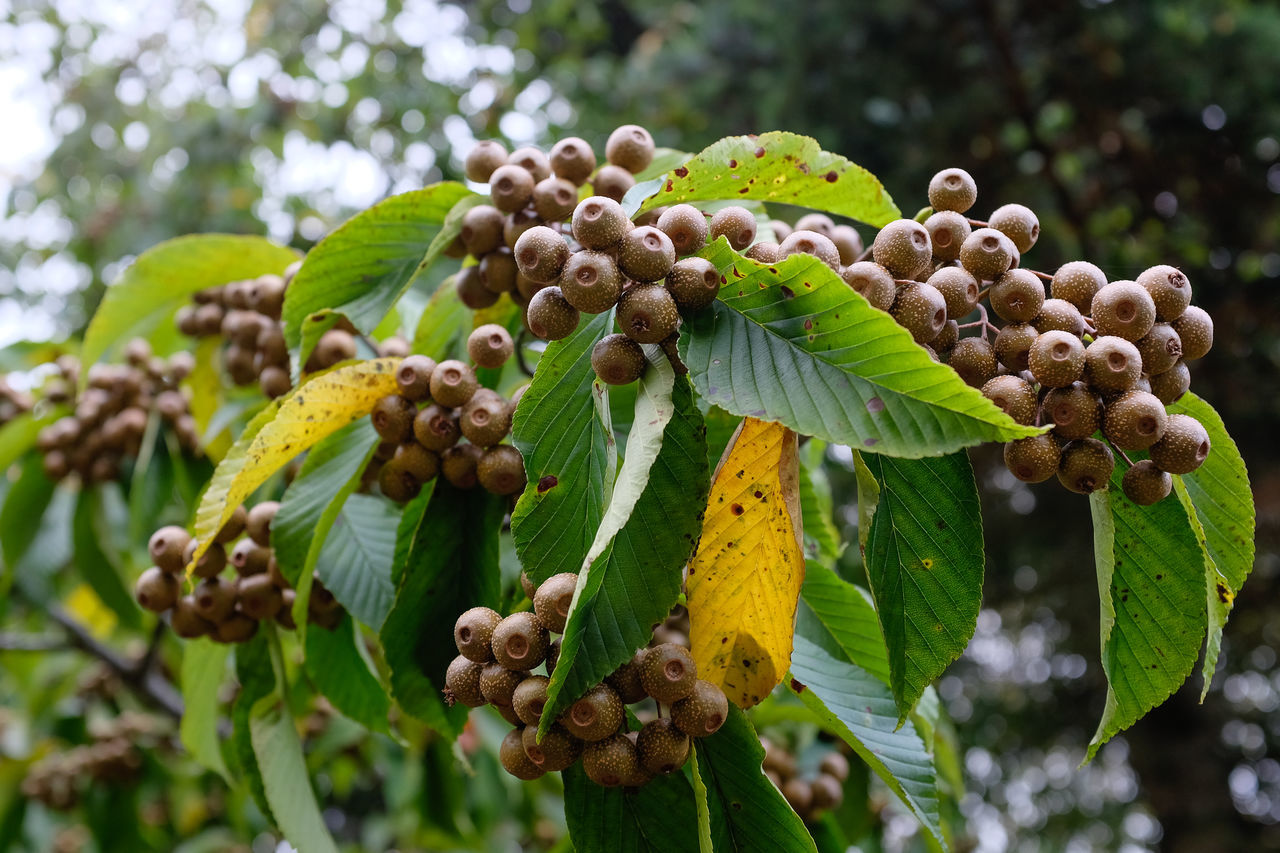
(669, 347)
(20, 643)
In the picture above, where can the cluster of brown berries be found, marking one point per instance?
(13, 402)
(114, 758)
(458, 430)
(494, 666)
(227, 609)
(809, 794)
(111, 415)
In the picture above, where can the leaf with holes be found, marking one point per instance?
(793, 343)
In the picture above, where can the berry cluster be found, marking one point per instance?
(224, 609)
(111, 415)
(419, 444)
(13, 402)
(809, 794)
(113, 757)
(494, 664)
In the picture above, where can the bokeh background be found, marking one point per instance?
(1141, 133)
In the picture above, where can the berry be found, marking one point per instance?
(1077, 282)
(481, 229)
(661, 747)
(1086, 466)
(532, 160)
(667, 672)
(1017, 296)
(436, 428)
(646, 254)
(693, 283)
(618, 360)
(800, 242)
(529, 698)
(947, 232)
(631, 147)
(462, 682)
(625, 680)
(166, 548)
(498, 684)
(334, 346)
(490, 345)
(413, 377)
(1056, 359)
(558, 749)
(156, 589)
(1184, 446)
(873, 281)
(215, 598)
(599, 223)
(501, 470)
(453, 383)
(511, 188)
(765, 252)
(1059, 315)
(826, 792)
(521, 221)
(647, 314)
(1172, 384)
(471, 290)
(595, 716)
(553, 656)
(1013, 345)
(186, 622)
(1074, 410)
(551, 601)
(958, 288)
(921, 310)
(486, 419)
(848, 243)
(1145, 484)
(573, 159)
(686, 226)
(1034, 459)
(819, 222)
(417, 462)
(1124, 309)
(392, 417)
(236, 628)
(274, 381)
(212, 561)
(835, 765)
(975, 360)
(473, 632)
(550, 316)
(736, 224)
(258, 522)
(798, 795)
(1170, 290)
(482, 159)
(520, 641)
(498, 271)
(249, 558)
(947, 338)
(258, 597)
(541, 254)
(515, 760)
(903, 248)
(1135, 420)
(1161, 349)
(554, 199)
(612, 762)
(987, 253)
(458, 464)
(1112, 364)
(591, 282)
(612, 182)
(1014, 395)
(953, 189)
(1017, 222)
(1195, 328)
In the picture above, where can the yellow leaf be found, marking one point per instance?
(84, 604)
(205, 384)
(287, 427)
(745, 579)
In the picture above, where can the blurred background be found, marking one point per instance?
(1140, 132)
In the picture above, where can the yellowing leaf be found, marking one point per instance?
(745, 579)
(84, 604)
(318, 408)
(205, 383)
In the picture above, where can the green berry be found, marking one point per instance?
(1086, 466)
(1017, 296)
(1195, 328)
(921, 310)
(873, 281)
(1124, 309)
(532, 160)
(903, 248)
(694, 283)
(1135, 420)
(848, 243)
(947, 232)
(473, 633)
(485, 419)
(1172, 384)
(501, 470)
(647, 314)
(1112, 364)
(1074, 410)
(1034, 459)
(591, 282)
(1014, 395)
(686, 226)
(453, 383)
(618, 360)
(392, 417)
(436, 428)
(156, 590)
(975, 360)
(668, 673)
(482, 159)
(1183, 447)
(1017, 222)
(554, 199)
(167, 546)
(1056, 359)
(1145, 484)
(953, 189)
(1170, 290)
(661, 747)
(987, 254)
(1059, 315)
(1077, 282)
(490, 345)
(599, 222)
(515, 760)
(530, 698)
(550, 316)
(557, 751)
(1013, 345)
(541, 254)
(630, 147)
(611, 762)
(734, 223)
(552, 600)
(462, 682)
(482, 228)
(595, 716)
(573, 160)
(646, 254)
(1161, 349)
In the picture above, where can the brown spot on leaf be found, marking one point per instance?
(682, 172)
(548, 482)
(736, 509)
(759, 153)
(787, 292)
(733, 164)
(831, 177)
(797, 686)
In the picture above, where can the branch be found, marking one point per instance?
(21, 643)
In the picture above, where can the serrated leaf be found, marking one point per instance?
(791, 342)
(744, 580)
(656, 818)
(340, 671)
(204, 667)
(443, 328)
(779, 167)
(257, 679)
(290, 425)
(741, 797)
(563, 428)
(841, 618)
(365, 265)
(822, 538)
(451, 564)
(861, 709)
(633, 570)
(924, 563)
(355, 563)
(163, 278)
(1151, 590)
(284, 776)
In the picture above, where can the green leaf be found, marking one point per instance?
(355, 563)
(1223, 505)
(822, 539)
(562, 427)
(257, 680)
(22, 510)
(204, 666)
(861, 709)
(779, 167)
(647, 534)
(19, 435)
(656, 818)
(445, 323)
(741, 797)
(841, 618)
(451, 565)
(339, 669)
(793, 343)
(163, 278)
(924, 564)
(1151, 589)
(705, 844)
(365, 265)
(99, 569)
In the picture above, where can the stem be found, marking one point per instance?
(520, 362)
(673, 354)
(978, 223)
(1043, 275)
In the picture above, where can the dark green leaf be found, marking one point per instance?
(355, 563)
(257, 680)
(100, 570)
(821, 538)
(445, 323)
(23, 507)
(841, 618)
(656, 818)
(339, 670)
(204, 666)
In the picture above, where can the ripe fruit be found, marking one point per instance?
(554, 199)
(1013, 345)
(473, 631)
(618, 360)
(551, 601)
(453, 383)
(591, 282)
(392, 417)
(599, 222)
(186, 622)
(462, 682)
(485, 419)
(482, 159)
(236, 628)
(1160, 349)
(417, 462)
(1077, 282)
(826, 792)
(471, 290)
(848, 242)
(215, 598)
(1170, 290)
(647, 314)
(987, 253)
(529, 698)
(274, 381)
(501, 470)
(1034, 459)
(498, 684)
(734, 223)
(958, 288)
(550, 316)
(1017, 222)
(156, 589)
(1075, 411)
(595, 716)
(436, 428)
(765, 252)
(396, 483)
(667, 673)
(686, 226)
(249, 558)
(1145, 484)
(334, 346)
(702, 712)
(1017, 296)
(212, 561)
(1086, 466)
(572, 159)
(612, 762)
(490, 345)
(693, 283)
(921, 310)
(515, 760)
(1112, 364)
(952, 189)
(1014, 395)
(258, 597)
(519, 641)
(835, 765)
(481, 230)
(498, 271)
(167, 546)
(801, 242)
(1135, 420)
(541, 254)
(1184, 446)
(511, 188)
(1124, 309)
(1059, 315)
(975, 361)
(903, 248)
(947, 231)
(947, 338)
(612, 182)
(532, 160)
(258, 522)
(558, 749)
(1195, 329)
(646, 254)
(631, 147)
(625, 680)
(1056, 359)
(661, 747)
(798, 795)
(458, 465)
(1172, 384)
(873, 281)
